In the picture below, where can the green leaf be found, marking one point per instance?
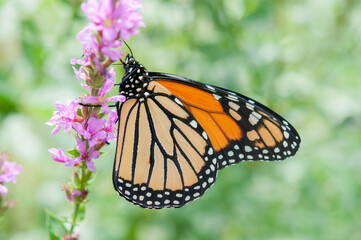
(79, 112)
(55, 226)
(74, 152)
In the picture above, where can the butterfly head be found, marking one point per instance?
(135, 78)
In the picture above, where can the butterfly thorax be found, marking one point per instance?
(135, 79)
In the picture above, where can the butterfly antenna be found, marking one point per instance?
(128, 48)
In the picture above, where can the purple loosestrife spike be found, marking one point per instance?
(112, 22)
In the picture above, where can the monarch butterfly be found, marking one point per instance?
(175, 134)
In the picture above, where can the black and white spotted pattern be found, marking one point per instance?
(135, 79)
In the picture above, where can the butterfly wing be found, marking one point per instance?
(174, 139)
(238, 127)
(163, 157)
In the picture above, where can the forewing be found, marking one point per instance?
(239, 128)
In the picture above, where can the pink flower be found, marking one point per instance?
(90, 48)
(92, 130)
(131, 19)
(8, 170)
(112, 50)
(114, 22)
(65, 116)
(89, 41)
(58, 155)
(110, 18)
(110, 128)
(85, 155)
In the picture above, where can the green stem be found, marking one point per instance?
(75, 215)
(83, 183)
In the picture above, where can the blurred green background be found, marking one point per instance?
(301, 58)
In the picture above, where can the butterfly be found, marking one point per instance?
(175, 134)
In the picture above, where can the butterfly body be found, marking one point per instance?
(135, 79)
(175, 134)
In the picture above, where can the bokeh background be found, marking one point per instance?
(301, 58)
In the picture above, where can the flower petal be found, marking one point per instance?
(90, 165)
(118, 98)
(73, 161)
(105, 108)
(94, 155)
(91, 99)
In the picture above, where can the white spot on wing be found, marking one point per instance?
(216, 96)
(252, 119)
(231, 97)
(204, 134)
(286, 134)
(250, 106)
(257, 115)
(247, 148)
(177, 101)
(193, 123)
